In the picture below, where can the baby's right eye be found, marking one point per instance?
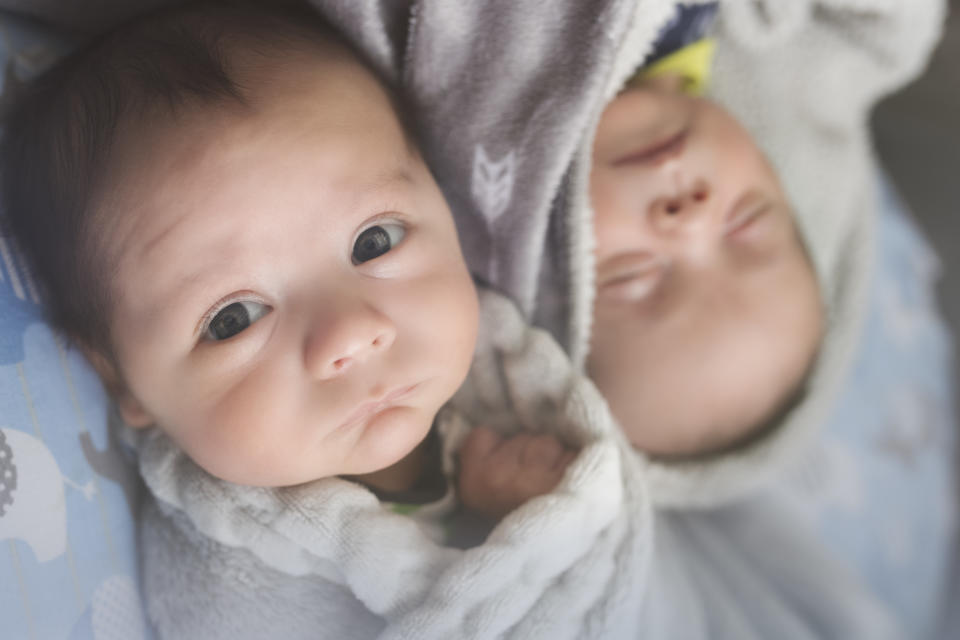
(234, 318)
(376, 241)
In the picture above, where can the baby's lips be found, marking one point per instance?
(630, 276)
(744, 213)
(628, 289)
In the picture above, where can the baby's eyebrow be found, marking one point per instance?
(152, 244)
(399, 175)
(176, 291)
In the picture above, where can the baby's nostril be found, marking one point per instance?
(340, 363)
(701, 191)
(673, 207)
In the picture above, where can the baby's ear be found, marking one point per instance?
(132, 412)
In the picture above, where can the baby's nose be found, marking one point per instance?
(345, 339)
(685, 208)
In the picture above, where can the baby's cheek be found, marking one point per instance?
(237, 437)
(444, 322)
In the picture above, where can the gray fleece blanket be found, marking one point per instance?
(592, 559)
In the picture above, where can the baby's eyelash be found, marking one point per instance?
(388, 215)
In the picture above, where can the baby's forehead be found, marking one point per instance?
(286, 100)
(205, 185)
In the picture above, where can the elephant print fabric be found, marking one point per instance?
(67, 494)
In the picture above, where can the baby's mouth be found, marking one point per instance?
(628, 276)
(367, 410)
(744, 213)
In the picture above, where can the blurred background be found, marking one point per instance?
(918, 138)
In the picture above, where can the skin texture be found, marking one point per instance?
(708, 313)
(348, 363)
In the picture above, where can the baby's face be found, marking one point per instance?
(707, 313)
(291, 301)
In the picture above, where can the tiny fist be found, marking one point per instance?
(542, 451)
(479, 443)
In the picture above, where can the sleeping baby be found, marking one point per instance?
(229, 214)
(707, 317)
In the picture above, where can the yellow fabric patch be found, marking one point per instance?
(692, 63)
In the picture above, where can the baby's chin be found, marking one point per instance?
(389, 438)
(689, 430)
(679, 443)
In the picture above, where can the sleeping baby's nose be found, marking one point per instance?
(685, 208)
(343, 337)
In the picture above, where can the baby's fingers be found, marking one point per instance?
(535, 480)
(478, 445)
(542, 452)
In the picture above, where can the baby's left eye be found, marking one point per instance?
(376, 241)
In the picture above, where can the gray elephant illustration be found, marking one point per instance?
(34, 509)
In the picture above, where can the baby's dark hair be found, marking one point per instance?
(60, 129)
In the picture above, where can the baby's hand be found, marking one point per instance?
(498, 474)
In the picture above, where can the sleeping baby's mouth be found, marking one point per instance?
(629, 276)
(745, 214)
